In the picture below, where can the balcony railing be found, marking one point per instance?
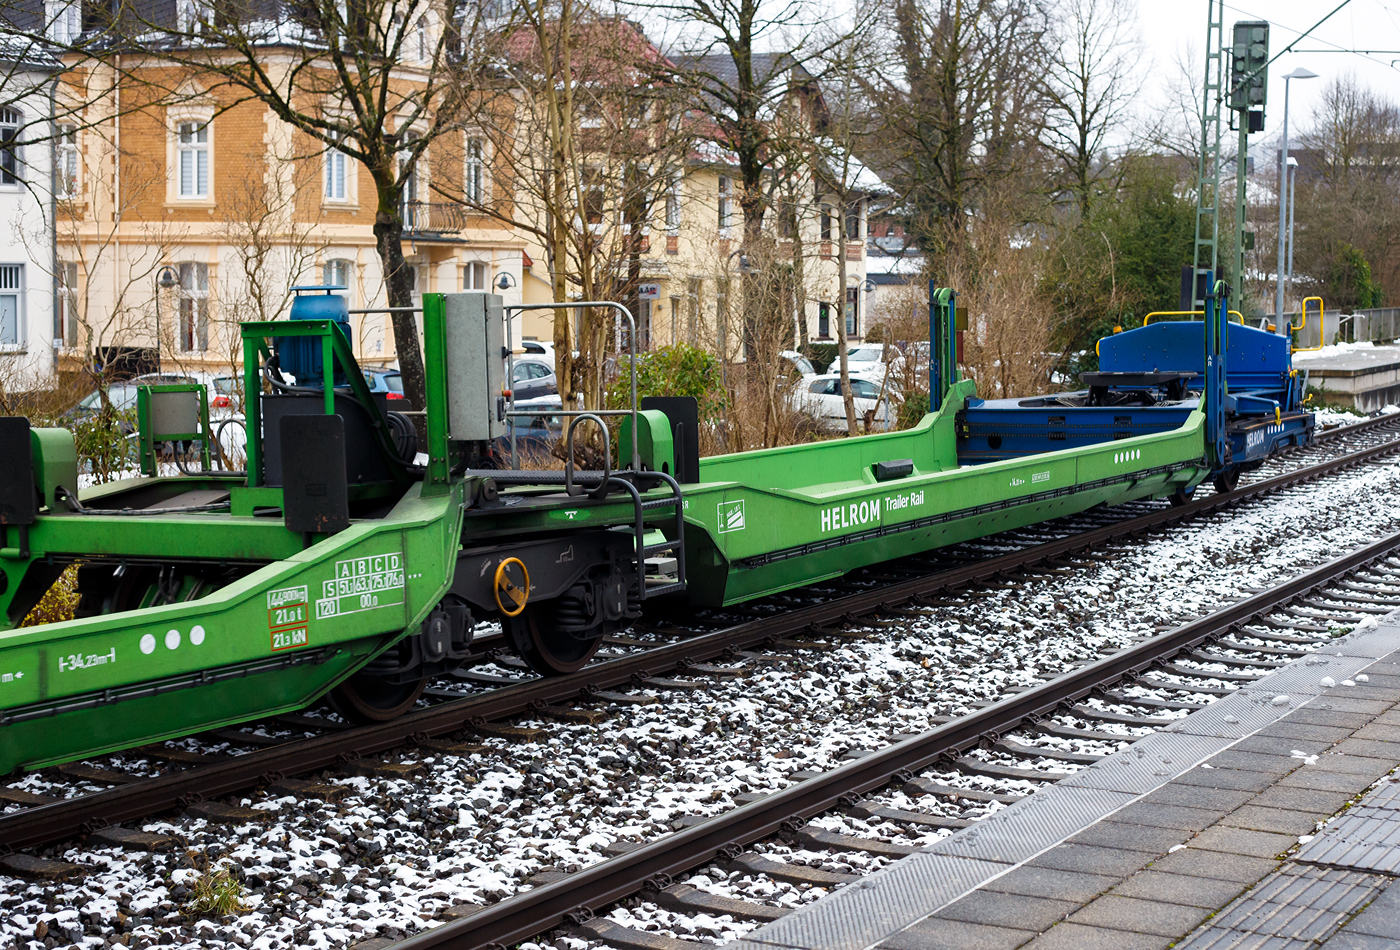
(433, 217)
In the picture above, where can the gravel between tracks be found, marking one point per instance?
(395, 854)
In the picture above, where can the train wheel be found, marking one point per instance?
(548, 650)
(367, 698)
(1226, 481)
(1180, 497)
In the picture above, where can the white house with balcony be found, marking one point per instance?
(29, 189)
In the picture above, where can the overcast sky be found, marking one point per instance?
(1169, 27)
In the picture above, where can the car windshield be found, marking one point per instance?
(804, 365)
(225, 385)
(861, 354)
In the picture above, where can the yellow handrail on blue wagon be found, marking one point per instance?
(1322, 325)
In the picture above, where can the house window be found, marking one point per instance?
(65, 19)
(337, 273)
(193, 305)
(673, 207)
(824, 320)
(68, 162)
(414, 218)
(194, 159)
(10, 157)
(10, 296)
(423, 50)
(852, 311)
(475, 184)
(65, 320)
(187, 14)
(474, 276)
(826, 222)
(675, 318)
(726, 202)
(853, 222)
(335, 174)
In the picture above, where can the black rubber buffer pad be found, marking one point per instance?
(315, 499)
(19, 502)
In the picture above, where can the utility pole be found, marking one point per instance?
(1206, 251)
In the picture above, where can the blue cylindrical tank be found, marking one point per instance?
(301, 356)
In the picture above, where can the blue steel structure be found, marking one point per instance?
(1150, 380)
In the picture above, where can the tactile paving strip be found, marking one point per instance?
(874, 907)
(1367, 837)
(1033, 824)
(1294, 904)
(1147, 764)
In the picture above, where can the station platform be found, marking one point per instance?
(1365, 377)
(1204, 837)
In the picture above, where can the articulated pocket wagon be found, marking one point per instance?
(339, 564)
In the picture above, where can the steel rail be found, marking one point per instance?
(574, 898)
(45, 824)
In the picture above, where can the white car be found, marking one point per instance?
(797, 364)
(868, 359)
(820, 397)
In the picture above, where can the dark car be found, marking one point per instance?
(386, 381)
(122, 395)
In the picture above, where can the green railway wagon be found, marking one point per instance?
(215, 597)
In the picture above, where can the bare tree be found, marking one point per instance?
(964, 105)
(1094, 51)
(593, 143)
(382, 81)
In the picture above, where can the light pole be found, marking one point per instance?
(166, 279)
(1292, 186)
(1283, 202)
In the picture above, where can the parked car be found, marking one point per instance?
(386, 381)
(869, 359)
(543, 348)
(797, 364)
(821, 398)
(533, 376)
(122, 395)
(534, 434)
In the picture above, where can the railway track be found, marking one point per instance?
(194, 778)
(1018, 740)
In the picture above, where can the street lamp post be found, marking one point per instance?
(1292, 187)
(1283, 202)
(166, 279)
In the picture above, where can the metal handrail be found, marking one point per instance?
(632, 346)
(602, 490)
(1184, 313)
(1321, 329)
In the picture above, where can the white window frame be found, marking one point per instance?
(480, 181)
(726, 203)
(187, 16)
(476, 275)
(64, 21)
(66, 317)
(12, 285)
(200, 116)
(337, 170)
(11, 154)
(673, 207)
(69, 162)
(192, 306)
(339, 270)
(420, 30)
(192, 151)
